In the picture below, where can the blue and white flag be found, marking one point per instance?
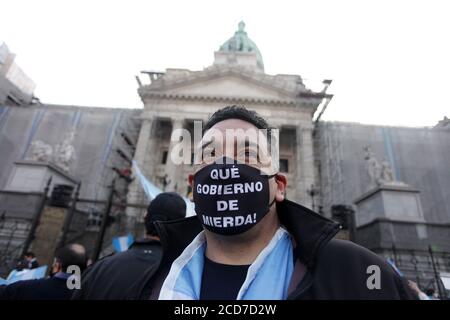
(152, 191)
(397, 270)
(122, 244)
(149, 188)
(26, 274)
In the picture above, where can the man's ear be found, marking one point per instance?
(281, 181)
(191, 180)
(56, 267)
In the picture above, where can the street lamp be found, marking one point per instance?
(312, 192)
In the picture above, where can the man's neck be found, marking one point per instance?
(242, 249)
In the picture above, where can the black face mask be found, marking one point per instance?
(231, 197)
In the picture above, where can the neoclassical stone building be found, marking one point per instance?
(178, 97)
(407, 219)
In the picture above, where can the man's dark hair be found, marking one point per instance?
(72, 254)
(30, 254)
(238, 112)
(166, 206)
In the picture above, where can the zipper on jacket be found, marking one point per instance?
(305, 284)
(308, 278)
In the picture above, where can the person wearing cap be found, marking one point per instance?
(118, 276)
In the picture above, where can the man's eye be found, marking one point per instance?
(250, 155)
(209, 152)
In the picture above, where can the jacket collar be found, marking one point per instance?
(310, 231)
(144, 242)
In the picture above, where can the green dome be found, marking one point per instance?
(240, 42)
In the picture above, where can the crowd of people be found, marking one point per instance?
(282, 251)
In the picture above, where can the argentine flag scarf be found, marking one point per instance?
(267, 278)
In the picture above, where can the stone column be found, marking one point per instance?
(305, 174)
(135, 191)
(275, 154)
(174, 170)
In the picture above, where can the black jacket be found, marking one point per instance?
(110, 277)
(41, 289)
(325, 268)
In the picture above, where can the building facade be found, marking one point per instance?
(395, 179)
(16, 88)
(178, 97)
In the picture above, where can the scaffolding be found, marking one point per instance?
(329, 154)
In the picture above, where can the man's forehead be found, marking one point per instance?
(231, 126)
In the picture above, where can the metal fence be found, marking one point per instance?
(422, 266)
(92, 223)
(13, 232)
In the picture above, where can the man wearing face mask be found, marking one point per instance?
(248, 241)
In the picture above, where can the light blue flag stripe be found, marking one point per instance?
(395, 267)
(152, 191)
(26, 274)
(122, 244)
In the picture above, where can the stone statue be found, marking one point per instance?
(387, 176)
(373, 167)
(380, 174)
(40, 151)
(62, 154)
(65, 152)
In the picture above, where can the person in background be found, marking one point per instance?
(31, 261)
(420, 294)
(122, 275)
(431, 294)
(55, 287)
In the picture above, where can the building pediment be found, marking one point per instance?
(229, 86)
(229, 82)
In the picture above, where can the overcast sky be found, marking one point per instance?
(389, 60)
